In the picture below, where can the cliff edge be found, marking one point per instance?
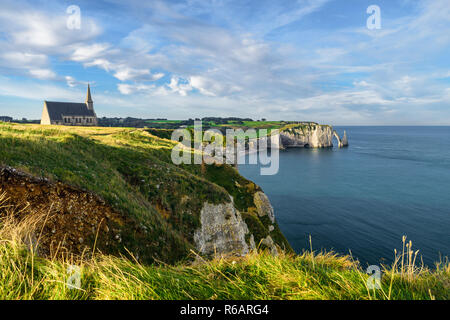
(117, 190)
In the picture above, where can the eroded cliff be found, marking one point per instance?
(222, 231)
(86, 175)
(310, 136)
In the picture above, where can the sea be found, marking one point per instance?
(361, 200)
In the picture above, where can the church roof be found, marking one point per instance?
(56, 110)
(88, 97)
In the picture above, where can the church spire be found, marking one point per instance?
(88, 97)
(89, 102)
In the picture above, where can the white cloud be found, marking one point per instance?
(101, 63)
(33, 35)
(179, 86)
(38, 29)
(37, 91)
(71, 82)
(14, 59)
(45, 74)
(124, 74)
(220, 58)
(126, 89)
(211, 87)
(88, 52)
(305, 7)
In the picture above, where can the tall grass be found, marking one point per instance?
(259, 275)
(132, 171)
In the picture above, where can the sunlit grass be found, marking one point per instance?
(256, 276)
(133, 172)
(124, 166)
(259, 275)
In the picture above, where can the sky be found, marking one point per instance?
(306, 60)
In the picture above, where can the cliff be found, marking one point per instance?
(119, 187)
(301, 135)
(222, 231)
(310, 135)
(102, 193)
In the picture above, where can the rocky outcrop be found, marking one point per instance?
(222, 231)
(268, 242)
(301, 135)
(308, 136)
(341, 142)
(265, 209)
(344, 140)
(263, 205)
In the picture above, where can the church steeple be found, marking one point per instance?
(89, 102)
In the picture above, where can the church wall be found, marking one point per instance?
(45, 118)
(79, 121)
(72, 121)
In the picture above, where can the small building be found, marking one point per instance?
(70, 113)
(5, 119)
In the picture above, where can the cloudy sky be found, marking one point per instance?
(283, 60)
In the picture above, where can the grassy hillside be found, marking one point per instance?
(154, 205)
(256, 276)
(132, 171)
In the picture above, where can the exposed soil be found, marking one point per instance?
(71, 220)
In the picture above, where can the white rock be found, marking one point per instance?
(263, 205)
(222, 230)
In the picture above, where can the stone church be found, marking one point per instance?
(70, 113)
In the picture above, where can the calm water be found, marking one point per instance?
(390, 181)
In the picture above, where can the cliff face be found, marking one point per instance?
(157, 210)
(222, 231)
(310, 136)
(263, 206)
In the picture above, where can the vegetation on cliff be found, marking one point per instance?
(259, 275)
(131, 170)
(116, 191)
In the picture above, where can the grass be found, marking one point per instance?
(256, 276)
(132, 170)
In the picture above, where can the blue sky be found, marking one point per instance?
(283, 60)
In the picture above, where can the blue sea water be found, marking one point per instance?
(390, 182)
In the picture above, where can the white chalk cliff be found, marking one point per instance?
(310, 136)
(222, 231)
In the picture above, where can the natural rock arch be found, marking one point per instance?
(341, 142)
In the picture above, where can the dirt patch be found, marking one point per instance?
(72, 220)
